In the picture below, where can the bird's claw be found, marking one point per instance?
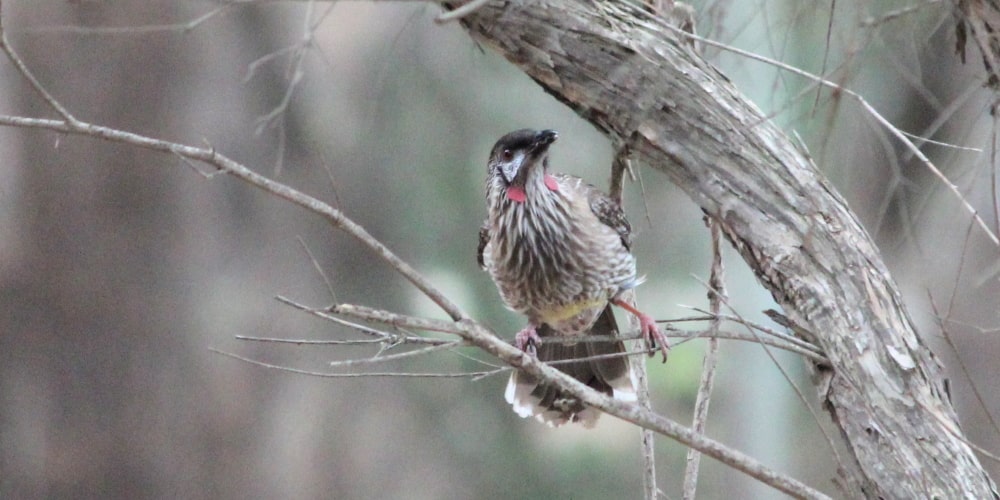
(527, 341)
(653, 337)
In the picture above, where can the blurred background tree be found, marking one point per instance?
(119, 267)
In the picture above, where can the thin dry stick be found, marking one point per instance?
(988, 330)
(942, 320)
(628, 412)
(276, 118)
(209, 156)
(826, 51)
(993, 177)
(646, 436)
(774, 338)
(945, 115)
(893, 130)
(619, 167)
(647, 439)
(397, 320)
(801, 346)
(795, 388)
(892, 15)
(394, 357)
(184, 27)
(779, 340)
(462, 11)
(30, 77)
(895, 182)
(380, 335)
(313, 373)
(643, 417)
(319, 268)
(312, 342)
(949, 427)
(716, 294)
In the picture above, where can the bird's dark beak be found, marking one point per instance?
(543, 139)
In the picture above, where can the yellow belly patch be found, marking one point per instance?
(569, 311)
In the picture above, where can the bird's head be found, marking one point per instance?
(517, 158)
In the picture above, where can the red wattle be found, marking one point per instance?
(516, 193)
(551, 183)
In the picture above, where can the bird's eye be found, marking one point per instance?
(507, 155)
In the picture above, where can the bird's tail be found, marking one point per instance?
(611, 375)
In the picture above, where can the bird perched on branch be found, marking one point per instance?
(558, 250)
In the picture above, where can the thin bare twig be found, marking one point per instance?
(319, 268)
(380, 335)
(644, 417)
(313, 373)
(333, 181)
(978, 328)
(896, 181)
(397, 356)
(275, 118)
(893, 130)
(807, 349)
(184, 27)
(485, 339)
(209, 156)
(795, 388)
(994, 167)
(774, 338)
(647, 448)
(948, 145)
(716, 295)
(30, 77)
(942, 117)
(312, 342)
(826, 50)
(949, 427)
(616, 186)
(892, 15)
(942, 319)
(462, 11)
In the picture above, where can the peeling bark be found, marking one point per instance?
(636, 82)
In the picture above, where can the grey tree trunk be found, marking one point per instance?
(621, 70)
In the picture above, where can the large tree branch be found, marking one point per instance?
(620, 70)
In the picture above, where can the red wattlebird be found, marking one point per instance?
(558, 250)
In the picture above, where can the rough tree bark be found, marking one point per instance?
(619, 69)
